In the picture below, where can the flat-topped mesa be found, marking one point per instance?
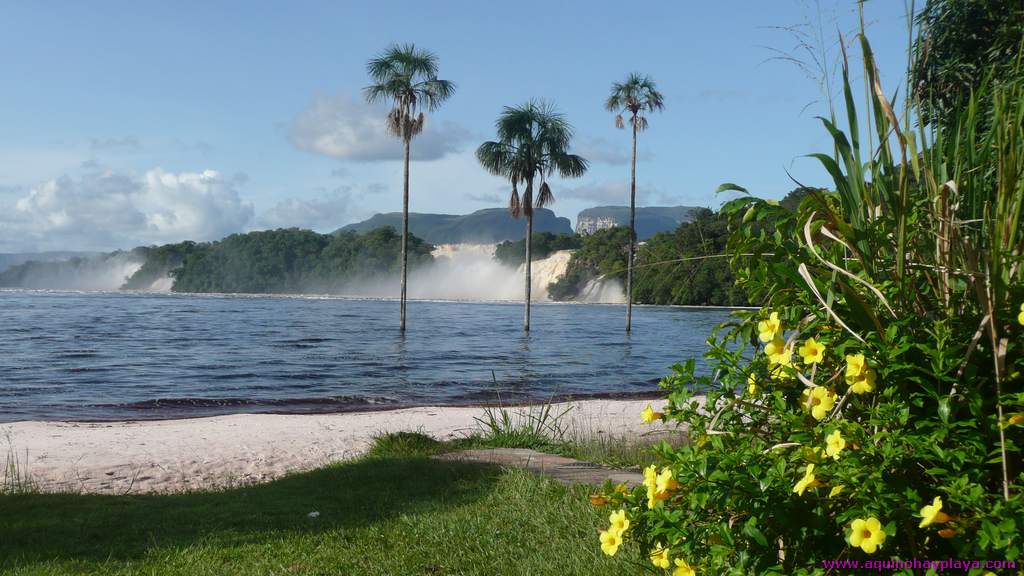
(487, 226)
(650, 220)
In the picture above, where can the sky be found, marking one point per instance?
(137, 123)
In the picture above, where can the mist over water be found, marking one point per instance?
(469, 272)
(106, 272)
(465, 272)
(117, 356)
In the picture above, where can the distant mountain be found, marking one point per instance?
(11, 260)
(487, 226)
(649, 219)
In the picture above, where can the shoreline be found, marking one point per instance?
(217, 452)
(318, 296)
(359, 408)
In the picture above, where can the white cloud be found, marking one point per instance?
(615, 193)
(493, 198)
(343, 127)
(601, 151)
(126, 143)
(321, 214)
(108, 210)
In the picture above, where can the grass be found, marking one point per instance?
(14, 477)
(542, 428)
(395, 511)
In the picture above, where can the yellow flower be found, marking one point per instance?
(610, 542)
(808, 481)
(819, 400)
(859, 375)
(835, 491)
(1020, 317)
(855, 365)
(660, 557)
(867, 534)
(774, 347)
(618, 522)
(658, 485)
(812, 351)
(683, 569)
(752, 387)
(621, 488)
(1015, 419)
(650, 482)
(768, 329)
(664, 483)
(649, 415)
(834, 444)
(783, 358)
(933, 513)
(598, 500)
(812, 454)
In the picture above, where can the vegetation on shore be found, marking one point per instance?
(874, 409)
(512, 252)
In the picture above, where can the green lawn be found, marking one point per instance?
(395, 514)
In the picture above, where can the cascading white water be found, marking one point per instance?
(470, 272)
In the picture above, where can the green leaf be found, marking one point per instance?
(730, 187)
(751, 531)
(944, 409)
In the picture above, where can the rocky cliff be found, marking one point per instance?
(486, 226)
(649, 219)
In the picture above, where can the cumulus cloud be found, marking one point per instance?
(103, 211)
(343, 127)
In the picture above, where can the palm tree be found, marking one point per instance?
(407, 77)
(634, 96)
(533, 142)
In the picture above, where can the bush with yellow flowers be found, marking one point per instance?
(874, 408)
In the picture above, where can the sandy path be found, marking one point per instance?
(175, 455)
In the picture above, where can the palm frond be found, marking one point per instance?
(569, 165)
(527, 202)
(396, 122)
(514, 205)
(545, 198)
(433, 92)
(407, 77)
(533, 141)
(638, 93)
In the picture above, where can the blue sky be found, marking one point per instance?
(136, 123)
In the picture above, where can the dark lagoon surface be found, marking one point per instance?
(128, 356)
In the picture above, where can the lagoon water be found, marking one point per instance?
(127, 356)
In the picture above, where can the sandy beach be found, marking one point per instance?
(204, 453)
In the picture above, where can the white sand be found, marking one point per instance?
(202, 453)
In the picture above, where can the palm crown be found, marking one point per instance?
(636, 95)
(406, 76)
(532, 144)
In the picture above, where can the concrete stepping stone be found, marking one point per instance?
(565, 470)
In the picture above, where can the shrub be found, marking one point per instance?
(874, 408)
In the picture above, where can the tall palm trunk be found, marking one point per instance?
(632, 235)
(529, 266)
(405, 231)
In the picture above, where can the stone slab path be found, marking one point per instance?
(565, 470)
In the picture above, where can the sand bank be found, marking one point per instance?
(223, 451)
